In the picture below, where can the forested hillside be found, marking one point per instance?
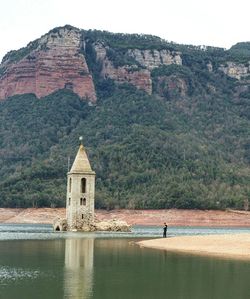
(186, 144)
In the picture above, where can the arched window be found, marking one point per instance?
(82, 201)
(82, 216)
(83, 185)
(70, 183)
(69, 201)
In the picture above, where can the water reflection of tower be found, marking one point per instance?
(79, 260)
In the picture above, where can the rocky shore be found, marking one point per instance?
(173, 217)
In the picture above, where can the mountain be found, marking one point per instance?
(165, 125)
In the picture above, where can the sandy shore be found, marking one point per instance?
(236, 246)
(173, 217)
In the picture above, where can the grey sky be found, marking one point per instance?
(199, 22)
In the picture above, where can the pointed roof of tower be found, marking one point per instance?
(81, 163)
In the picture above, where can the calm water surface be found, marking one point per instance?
(38, 263)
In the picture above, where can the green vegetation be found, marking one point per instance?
(2, 71)
(240, 53)
(147, 152)
(128, 41)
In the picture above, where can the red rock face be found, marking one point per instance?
(55, 61)
(19, 79)
(141, 78)
(42, 72)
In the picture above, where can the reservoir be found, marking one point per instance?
(37, 263)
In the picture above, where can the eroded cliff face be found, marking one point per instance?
(140, 78)
(68, 57)
(236, 70)
(125, 74)
(155, 58)
(58, 60)
(138, 74)
(56, 63)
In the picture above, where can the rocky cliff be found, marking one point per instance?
(138, 71)
(53, 62)
(122, 74)
(58, 60)
(236, 70)
(75, 59)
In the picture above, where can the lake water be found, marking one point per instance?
(37, 263)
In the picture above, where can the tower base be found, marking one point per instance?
(113, 225)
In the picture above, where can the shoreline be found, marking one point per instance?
(236, 246)
(228, 246)
(173, 217)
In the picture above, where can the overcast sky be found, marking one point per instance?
(199, 22)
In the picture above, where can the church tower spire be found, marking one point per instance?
(80, 192)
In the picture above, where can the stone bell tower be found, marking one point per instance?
(80, 193)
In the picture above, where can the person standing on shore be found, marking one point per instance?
(165, 228)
